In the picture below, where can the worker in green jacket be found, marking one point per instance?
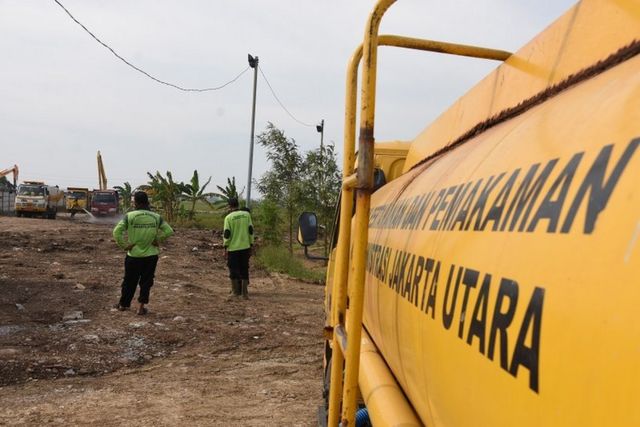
(237, 240)
(145, 231)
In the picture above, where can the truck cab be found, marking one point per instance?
(389, 158)
(77, 200)
(104, 203)
(35, 198)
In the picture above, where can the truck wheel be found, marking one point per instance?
(328, 361)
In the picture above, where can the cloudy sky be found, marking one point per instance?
(63, 97)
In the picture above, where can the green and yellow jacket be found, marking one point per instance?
(238, 231)
(143, 228)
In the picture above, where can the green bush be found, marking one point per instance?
(279, 259)
(268, 222)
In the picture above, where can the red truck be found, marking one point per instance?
(104, 203)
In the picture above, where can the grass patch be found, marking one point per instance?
(279, 260)
(204, 219)
(210, 220)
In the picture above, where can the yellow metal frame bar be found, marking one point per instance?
(364, 174)
(347, 340)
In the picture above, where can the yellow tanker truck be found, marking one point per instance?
(35, 198)
(495, 280)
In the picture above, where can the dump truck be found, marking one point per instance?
(35, 198)
(494, 280)
(78, 200)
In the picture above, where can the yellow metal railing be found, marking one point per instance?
(347, 324)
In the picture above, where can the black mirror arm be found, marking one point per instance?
(320, 258)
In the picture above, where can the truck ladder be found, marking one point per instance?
(346, 325)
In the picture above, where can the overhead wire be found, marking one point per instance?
(141, 70)
(174, 85)
(273, 92)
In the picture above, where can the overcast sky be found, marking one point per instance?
(63, 97)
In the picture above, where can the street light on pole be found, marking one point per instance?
(253, 63)
(320, 129)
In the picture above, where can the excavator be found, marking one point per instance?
(7, 197)
(13, 170)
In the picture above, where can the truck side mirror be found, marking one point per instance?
(379, 178)
(307, 228)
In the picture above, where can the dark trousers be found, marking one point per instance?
(238, 263)
(137, 271)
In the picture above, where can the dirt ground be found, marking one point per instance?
(68, 358)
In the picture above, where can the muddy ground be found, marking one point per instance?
(68, 358)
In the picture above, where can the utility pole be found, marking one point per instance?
(320, 129)
(253, 63)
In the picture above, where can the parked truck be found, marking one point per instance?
(494, 280)
(78, 200)
(104, 202)
(35, 198)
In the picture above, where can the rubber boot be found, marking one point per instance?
(245, 289)
(236, 288)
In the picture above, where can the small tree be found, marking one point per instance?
(167, 192)
(193, 193)
(281, 184)
(268, 220)
(125, 195)
(322, 178)
(230, 191)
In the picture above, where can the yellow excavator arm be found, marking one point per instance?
(102, 176)
(15, 171)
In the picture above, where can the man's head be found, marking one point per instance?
(233, 203)
(141, 200)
